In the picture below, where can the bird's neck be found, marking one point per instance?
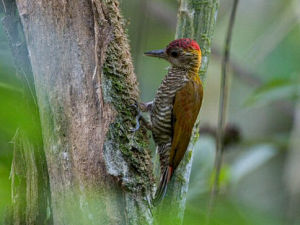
(184, 73)
(192, 68)
(190, 71)
(193, 72)
(195, 64)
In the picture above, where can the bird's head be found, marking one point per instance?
(182, 53)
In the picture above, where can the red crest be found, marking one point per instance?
(184, 43)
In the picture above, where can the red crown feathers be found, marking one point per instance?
(183, 43)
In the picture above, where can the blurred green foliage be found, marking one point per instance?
(17, 111)
(8, 119)
(274, 90)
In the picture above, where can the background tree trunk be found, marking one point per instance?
(30, 192)
(99, 172)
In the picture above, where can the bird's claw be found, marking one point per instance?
(137, 127)
(138, 116)
(141, 107)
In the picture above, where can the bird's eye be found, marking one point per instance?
(174, 54)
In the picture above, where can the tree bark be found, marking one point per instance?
(196, 20)
(99, 172)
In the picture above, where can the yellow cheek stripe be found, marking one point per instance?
(194, 72)
(197, 52)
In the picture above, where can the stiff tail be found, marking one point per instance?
(162, 189)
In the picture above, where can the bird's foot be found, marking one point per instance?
(141, 107)
(135, 105)
(145, 106)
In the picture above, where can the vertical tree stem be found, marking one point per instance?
(196, 20)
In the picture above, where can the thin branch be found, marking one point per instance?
(223, 99)
(222, 109)
(292, 180)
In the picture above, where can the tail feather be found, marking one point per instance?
(162, 189)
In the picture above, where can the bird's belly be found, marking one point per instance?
(161, 118)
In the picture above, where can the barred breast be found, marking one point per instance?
(161, 113)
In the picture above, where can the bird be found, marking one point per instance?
(175, 107)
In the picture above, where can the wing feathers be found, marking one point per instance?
(185, 111)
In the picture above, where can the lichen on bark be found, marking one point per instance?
(120, 89)
(127, 154)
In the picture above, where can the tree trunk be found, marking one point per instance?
(196, 20)
(99, 172)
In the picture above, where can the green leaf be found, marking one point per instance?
(274, 90)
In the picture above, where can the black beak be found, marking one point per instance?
(157, 53)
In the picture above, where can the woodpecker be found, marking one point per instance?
(175, 107)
